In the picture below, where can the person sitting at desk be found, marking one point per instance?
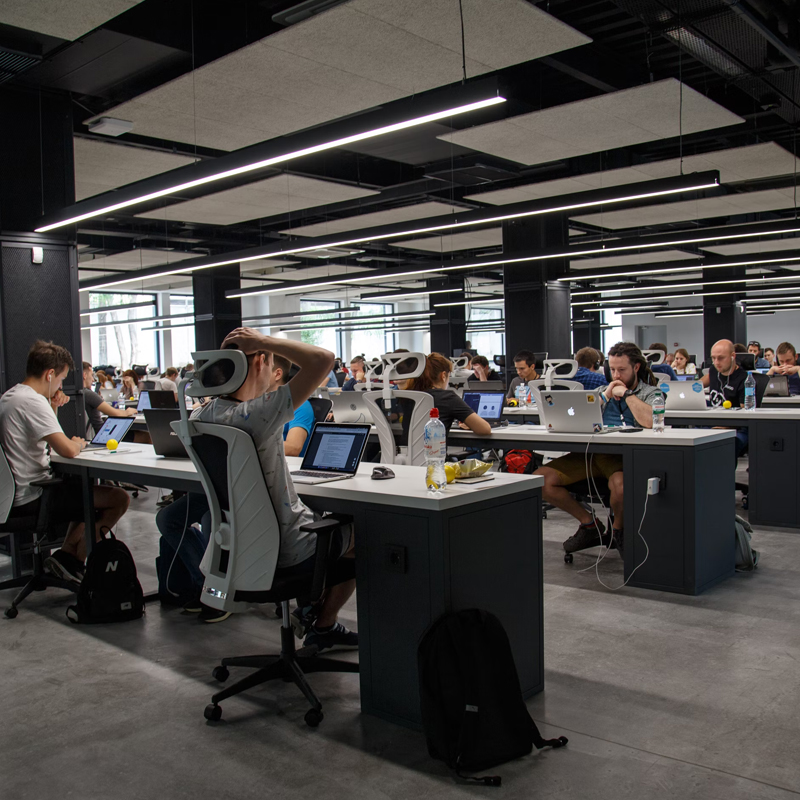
(628, 400)
(590, 362)
(96, 407)
(482, 370)
(28, 424)
(130, 385)
(169, 383)
(663, 367)
(725, 380)
(358, 368)
(769, 355)
(297, 430)
(525, 365)
(755, 348)
(104, 382)
(681, 364)
(787, 365)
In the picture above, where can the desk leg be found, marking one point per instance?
(87, 488)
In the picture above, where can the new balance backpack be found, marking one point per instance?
(472, 708)
(110, 590)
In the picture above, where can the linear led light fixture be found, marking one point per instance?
(622, 308)
(400, 316)
(298, 314)
(279, 159)
(370, 327)
(693, 314)
(689, 294)
(772, 307)
(368, 298)
(117, 322)
(169, 327)
(102, 310)
(757, 300)
(498, 299)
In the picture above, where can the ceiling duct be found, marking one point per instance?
(14, 62)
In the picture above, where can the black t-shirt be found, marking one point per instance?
(92, 402)
(451, 407)
(726, 387)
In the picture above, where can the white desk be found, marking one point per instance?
(417, 556)
(781, 402)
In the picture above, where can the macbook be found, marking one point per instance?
(683, 395)
(156, 399)
(166, 442)
(113, 428)
(778, 386)
(334, 452)
(350, 407)
(109, 395)
(574, 411)
(487, 405)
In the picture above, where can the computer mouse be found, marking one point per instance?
(382, 474)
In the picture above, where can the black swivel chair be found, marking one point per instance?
(28, 540)
(240, 563)
(321, 406)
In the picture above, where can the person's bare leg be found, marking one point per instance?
(557, 495)
(110, 504)
(615, 488)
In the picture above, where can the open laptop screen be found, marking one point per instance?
(113, 428)
(144, 401)
(488, 405)
(335, 448)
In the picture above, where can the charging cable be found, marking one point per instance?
(177, 549)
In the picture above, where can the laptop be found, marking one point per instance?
(683, 396)
(350, 407)
(156, 399)
(109, 395)
(778, 386)
(113, 428)
(334, 452)
(574, 411)
(487, 405)
(166, 442)
(484, 386)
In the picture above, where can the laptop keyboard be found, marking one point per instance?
(310, 473)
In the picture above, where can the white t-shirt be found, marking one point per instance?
(264, 418)
(25, 419)
(168, 385)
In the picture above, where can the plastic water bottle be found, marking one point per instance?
(522, 394)
(434, 443)
(750, 393)
(659, 407)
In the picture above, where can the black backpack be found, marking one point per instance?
(110, 590)
(472, 708)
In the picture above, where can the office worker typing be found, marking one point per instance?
(96, 407)
(627, 400)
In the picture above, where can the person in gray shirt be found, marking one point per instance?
(525, 365)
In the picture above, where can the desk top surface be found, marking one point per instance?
(782, 401)
(738, 413)
(406, 489)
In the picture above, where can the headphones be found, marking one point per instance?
(50, 377)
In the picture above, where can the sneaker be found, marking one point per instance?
(208, 614)
(302, 619)
(591, 535)
(336, 637)
(166, 500)
(619, 541)
(194, 606)
(65, 566)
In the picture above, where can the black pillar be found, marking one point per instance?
(37, 300)
(586, 330)
(724, 316)
(537, 306)
(449, 325)
(215, 315)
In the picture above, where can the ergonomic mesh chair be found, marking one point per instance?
(30, 539)
(240, 562)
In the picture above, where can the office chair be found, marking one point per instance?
(29, 539)
(762, 383)
(321, 406)
(148, 386)
(240, 562)
(654, 356)
(557, 385)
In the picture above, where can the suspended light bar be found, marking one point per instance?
(368, 298)
(103, 310)
(684, 294)
(497, 299)
(299, 314)
(366, 320)
(278, 159)
(787, 306)
(169, 327)
(117, 322)
(693, 314)
(624, 308)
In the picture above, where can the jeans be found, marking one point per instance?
(742, 440)
(175, 524)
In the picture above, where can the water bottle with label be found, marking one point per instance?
(750, 393)
(522, 394)
(659, 407)
(434, 443)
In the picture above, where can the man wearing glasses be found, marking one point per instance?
(755, 349)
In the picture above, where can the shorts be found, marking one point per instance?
(338, 574)
(572, 468)
(66, 503)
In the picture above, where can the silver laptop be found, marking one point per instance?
(334, 452)
(778, 386)
(109, 395)
(574, 411)
(684, 395)
(350, 407)
(487, 405)
(113, 428)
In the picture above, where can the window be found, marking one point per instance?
(375, 342)
(489, 343)
(329, 338)
(123, 342)
(613, 334)
(182, 338)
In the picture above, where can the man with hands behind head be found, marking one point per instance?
(787, 365)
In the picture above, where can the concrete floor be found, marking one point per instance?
(661, 696)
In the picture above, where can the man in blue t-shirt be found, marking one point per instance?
(297, 430)
(590, 362)
(663, 367)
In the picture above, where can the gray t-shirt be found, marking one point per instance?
(617, 412)
(92, 402)
(264, 418)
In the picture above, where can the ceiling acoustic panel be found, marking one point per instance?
(66, 20)
(350, 58)
(690, 210)
(281, 194)
(630, 260)
(769, 246)
(102, 166)
(617, 119)
(392, 215)
(448, 243)
(734, 164)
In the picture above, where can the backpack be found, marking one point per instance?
(473, 713)
(746, 557)
(518, 462)
(110, 590)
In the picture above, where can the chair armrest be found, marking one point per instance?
(48, 482)
(323, 559)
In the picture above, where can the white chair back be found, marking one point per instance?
(560, 368)
(412, 453)
(8, 488)
(654, 356)
(542, 383)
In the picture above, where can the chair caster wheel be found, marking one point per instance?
(544, 515)
(213, 712)
(745, 502)
(135, 494)
(220, 674)
(313, 717)
(11, 613)
(568, 558)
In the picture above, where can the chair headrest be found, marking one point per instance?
(401, 366)
(217, 372)
(460, 362)
(563, 368)
(654, 356)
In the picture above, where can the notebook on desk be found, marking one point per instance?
(334, 452)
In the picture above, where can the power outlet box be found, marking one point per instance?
(395, 558)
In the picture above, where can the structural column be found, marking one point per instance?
(724, 315)
(586, 330)
(537, 306)
(215, 315)
(449, 323)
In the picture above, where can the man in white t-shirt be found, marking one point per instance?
(28, 429)
(169, 383)
(263, 414)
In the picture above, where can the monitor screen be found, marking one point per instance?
(488, 405)
(336, 448)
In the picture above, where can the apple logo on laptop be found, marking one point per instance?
(571, 412)
(682, 395)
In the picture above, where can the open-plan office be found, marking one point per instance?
(571, 228)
